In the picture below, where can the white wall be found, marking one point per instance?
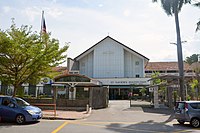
(86, 65)
(131, 68)
(108, 59)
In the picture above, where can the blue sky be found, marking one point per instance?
(139, 24)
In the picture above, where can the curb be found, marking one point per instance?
(61, 118)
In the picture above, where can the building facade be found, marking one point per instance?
(117, 66)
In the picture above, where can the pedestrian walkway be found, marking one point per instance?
(65, 115)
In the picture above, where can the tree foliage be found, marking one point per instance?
(158, 81)
(192, 59)
(173, 7)
(26, 56)
(170, 6)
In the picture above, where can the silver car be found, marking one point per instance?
(188, 111)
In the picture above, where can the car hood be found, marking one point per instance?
(33, 108)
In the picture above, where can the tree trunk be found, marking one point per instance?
(179, 54)
(198, 88)
(15, 90)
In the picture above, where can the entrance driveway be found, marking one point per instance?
(119, 117)
(120, 110)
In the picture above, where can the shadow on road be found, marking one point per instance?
(166, 111)
(148, 127)
(149, 109)
(9, 124)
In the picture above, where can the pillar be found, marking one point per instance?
(155, 97)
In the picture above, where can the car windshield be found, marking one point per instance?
(21, 102)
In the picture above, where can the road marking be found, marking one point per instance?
(60, 127)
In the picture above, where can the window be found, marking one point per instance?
(6, 101)
(137, 75)
(148, 71)
(172, 71)
(195, 105)
(137, 63)
(161, 71)
(180, 105)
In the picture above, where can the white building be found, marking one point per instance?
(117, 66)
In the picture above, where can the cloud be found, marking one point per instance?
(100, 5)
(31, 13)
(142, 26)
(127, 12)
(6, 9)
(54, 12)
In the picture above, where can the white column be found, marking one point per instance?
(72, 93)
(155, 97)
(36, 91)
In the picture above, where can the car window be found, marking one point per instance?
(0, 100)
(21, 102)
(195, 105)
(6, 101)
(181, 105)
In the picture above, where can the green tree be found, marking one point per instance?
(196, 68)
(173, 7)
(26, 57)
(143, 92)
(158, 81)
(191, 59)
(193, 85)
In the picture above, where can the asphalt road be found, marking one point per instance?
(117, 118)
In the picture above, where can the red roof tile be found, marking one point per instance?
(158, 66)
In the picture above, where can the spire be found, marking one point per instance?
(43, 25)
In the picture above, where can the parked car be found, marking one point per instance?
(18, 110)
(188, 111)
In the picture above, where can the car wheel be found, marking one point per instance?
(20, 119)
(181, 122)
(195, 122)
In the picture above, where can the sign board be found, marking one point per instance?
(150, 89)
(46, 80)
(125, 81)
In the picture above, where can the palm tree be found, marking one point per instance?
(198, 23)
(173, 7)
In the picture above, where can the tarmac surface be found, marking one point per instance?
(77, 115)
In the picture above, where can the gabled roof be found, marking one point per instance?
(162, 66)
(91, 49)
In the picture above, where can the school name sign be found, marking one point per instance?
(125, 81)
